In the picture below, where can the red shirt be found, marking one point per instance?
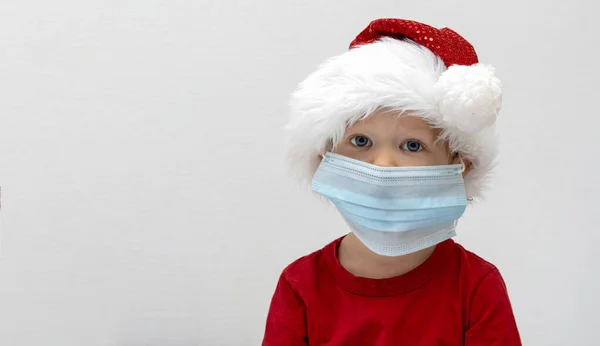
(453, 298)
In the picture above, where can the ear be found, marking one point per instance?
(458, 158)
(329, 147)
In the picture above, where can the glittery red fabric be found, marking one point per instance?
(452, 48)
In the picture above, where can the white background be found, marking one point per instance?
(144, 201)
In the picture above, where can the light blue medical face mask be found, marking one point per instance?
(394, 210)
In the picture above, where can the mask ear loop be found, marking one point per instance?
(462, 170)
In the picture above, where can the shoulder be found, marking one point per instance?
(472, 264)
(305, 270)
(302, 267)
(489, 319)
(475, 272)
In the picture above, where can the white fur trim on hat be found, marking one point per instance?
(399, 75)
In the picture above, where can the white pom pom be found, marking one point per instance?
(469, 97)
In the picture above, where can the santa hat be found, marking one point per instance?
(405, 66)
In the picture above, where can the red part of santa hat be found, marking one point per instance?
(452, 48)
(405, 66)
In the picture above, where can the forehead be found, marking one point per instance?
(387, 120)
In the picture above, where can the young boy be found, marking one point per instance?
(398, 134)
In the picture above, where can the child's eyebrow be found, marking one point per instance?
(420, 132)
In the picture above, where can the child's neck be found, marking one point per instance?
(357, 259)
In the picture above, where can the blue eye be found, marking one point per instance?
(412, 146)
(360, 141)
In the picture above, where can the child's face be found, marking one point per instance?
(387, 140)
